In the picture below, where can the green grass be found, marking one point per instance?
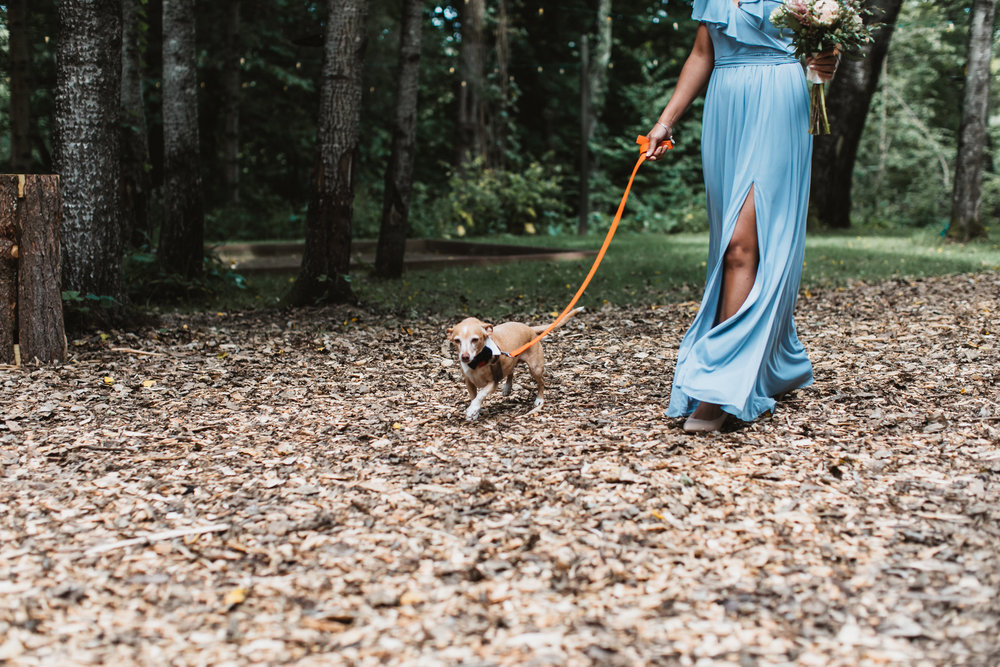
(639, 269)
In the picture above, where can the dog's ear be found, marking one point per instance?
(488, 328)
(450, 333)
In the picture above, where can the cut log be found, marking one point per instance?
(41, 331)
(34, 306)
(8, 268)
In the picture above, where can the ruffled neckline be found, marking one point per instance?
(748, 22)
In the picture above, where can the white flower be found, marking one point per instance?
(826, 11)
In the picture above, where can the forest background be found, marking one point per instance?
(551, 78)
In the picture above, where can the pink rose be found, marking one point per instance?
(800, 7)
(826, 11)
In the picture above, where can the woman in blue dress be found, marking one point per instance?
(742, 349)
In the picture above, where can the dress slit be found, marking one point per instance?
(720, 284)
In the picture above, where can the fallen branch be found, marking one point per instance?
(156, 537)
(141, 353)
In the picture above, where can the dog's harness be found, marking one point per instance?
(490, 354)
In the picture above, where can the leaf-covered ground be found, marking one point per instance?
(301, 486)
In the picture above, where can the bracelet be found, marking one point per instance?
(664, 126)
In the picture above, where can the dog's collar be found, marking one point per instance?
(489, 352)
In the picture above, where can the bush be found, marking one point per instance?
(146, 282)
(483, 202)
(253, 222)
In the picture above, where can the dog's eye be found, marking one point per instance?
(474, 340)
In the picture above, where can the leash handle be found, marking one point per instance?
(643, 142)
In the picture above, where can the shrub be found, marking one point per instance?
(482, 202)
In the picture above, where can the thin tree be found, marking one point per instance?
(501, 110)
(181, 248)
(20, 86)
(966, 222)
(594, 88)
(88, 92)
(472, 83)
(135, 184)
(849, 96)
(327, 254)
(399, 175)
(232, 67)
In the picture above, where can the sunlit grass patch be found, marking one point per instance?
(639, 269)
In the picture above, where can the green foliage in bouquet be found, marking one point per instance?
(818, 26)
(822, 25)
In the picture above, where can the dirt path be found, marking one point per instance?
(303, 487)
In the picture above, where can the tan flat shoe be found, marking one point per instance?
(692, 425)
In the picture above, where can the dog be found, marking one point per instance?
(483, 350)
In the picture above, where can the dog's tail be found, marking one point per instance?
(542, 327)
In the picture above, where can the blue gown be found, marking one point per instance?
(755, 133)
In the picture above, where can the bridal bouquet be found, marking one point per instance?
(817, 26)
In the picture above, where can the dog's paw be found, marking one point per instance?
(472, 414)
(507, 388)
(539, 402)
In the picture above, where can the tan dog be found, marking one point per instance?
(481, 352)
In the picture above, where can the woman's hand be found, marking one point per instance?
(824, 64)
(658, 137)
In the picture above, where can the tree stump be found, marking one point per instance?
(30, 269)
(8, 270)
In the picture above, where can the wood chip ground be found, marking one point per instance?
(302, 487)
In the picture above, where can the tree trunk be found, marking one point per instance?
(966, 222)
(88, 155)
(231, 103)
(327, 254)
(20, 86)
(471, 125)
(181, 249)
(41, 334)
(399, 175)
(501, 114)
(8, 267)
(135, 182)
(30, 214)
(595, 89)
(848, 98)
(583, 219)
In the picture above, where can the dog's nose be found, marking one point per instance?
(465, 357)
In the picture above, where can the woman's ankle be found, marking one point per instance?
(707, 411)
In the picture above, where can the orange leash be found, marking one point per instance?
(643, 147)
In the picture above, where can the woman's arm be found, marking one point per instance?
(693, 79)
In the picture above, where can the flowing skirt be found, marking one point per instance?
(755, 135)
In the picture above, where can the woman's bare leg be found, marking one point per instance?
(739, 270)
